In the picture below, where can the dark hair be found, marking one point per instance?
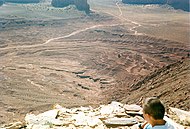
(154, 107)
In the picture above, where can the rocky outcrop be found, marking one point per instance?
(1, 2)
(23, 1)
(81, 5)
(177, 4)
(61, 3)
(114, 115)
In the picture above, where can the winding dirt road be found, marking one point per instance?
(136, 25)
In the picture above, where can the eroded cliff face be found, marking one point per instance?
(23, 1)
(177, 4)
(62, 3)
(81, 5)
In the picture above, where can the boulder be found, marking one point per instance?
(44, 120)
(113, 108)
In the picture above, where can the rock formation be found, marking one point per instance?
(62, 3)
(23, 1)
(1, 2)
(177, 4)
(114, 115)
(144, 1)
(81, 5)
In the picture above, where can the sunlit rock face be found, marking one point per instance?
(81, 5)
(1, 2)
(180, 4)
(23, 1)
(144, 1)
(177, 4)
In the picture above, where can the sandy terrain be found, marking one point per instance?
(63, 56)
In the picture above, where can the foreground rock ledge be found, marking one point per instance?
(114, 115)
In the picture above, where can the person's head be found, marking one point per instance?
(153, 108)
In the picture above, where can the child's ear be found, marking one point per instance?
(147, 116)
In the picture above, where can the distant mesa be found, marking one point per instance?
(81, 5)
(144, 1)
(1, 2)
(180, 4)
(23, 1)
(177, 4)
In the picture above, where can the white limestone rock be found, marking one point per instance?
(16, 125)
(39, 127)
(94, 121)
(80, 119)
(132, 107)
(116, 104)
(106, 110)
(120, 121)
(183, 116)
(114, 107)
(121, 115)
(44, 120)
(104, 117)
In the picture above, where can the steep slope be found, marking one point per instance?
(170, 83)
